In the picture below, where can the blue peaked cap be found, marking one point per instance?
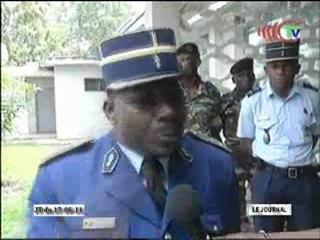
(139, 57)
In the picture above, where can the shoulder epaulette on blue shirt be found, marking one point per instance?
(84, 146)
(254, 91)
(309, 86)
(210, 141)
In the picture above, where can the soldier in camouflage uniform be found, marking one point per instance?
(243, 77)
(202, 98)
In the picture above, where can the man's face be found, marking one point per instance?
(187, 64)
(149, 118)
(244, 80)
(281, 73)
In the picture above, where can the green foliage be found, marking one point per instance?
(35, 31)
(27, 33)
(93, 22)
(12, 100)
(19, 168)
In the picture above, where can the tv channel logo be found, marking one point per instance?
(287, 31)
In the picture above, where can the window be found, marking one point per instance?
(94, 84)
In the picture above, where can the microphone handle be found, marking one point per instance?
(197, 232)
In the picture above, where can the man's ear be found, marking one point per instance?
(252, 76)
(108, 106)
(198, 62)
(297, 69)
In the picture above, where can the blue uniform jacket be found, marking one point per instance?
(100, 176)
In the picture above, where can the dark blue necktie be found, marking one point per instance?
(152, 171)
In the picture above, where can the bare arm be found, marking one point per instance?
(243, 152)
(246, 146)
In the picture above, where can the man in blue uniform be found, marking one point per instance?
(279, 124)
(123, 178)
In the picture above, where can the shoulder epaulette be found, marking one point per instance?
(83, 146)
(254, 91)
(309, 86)
(210, 141)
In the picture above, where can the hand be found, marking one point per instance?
(242, 159)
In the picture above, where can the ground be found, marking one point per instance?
(19, 167)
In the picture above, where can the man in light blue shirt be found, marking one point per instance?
(279, 125)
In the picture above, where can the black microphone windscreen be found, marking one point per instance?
(183, 205)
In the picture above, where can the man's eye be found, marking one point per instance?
(143, 101)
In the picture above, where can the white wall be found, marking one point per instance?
(218, 68)
(79, 113)
(163, 14)
(41, 82)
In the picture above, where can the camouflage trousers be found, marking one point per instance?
(242, 181)
(244, 196)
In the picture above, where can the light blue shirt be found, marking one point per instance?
(291, 122)
(136, 160)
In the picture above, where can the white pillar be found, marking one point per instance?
(163, 14)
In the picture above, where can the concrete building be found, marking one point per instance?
(227, 31)
(69, 102)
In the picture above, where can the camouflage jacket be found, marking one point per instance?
(230, 106)
(204, 110)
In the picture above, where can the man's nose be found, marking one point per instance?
(281, 70)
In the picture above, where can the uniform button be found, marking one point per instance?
(168, 236)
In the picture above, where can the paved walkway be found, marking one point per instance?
(42, 139)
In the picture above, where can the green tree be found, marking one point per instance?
(13, 99)
(35, 31)
(28, 33)
(93, 22)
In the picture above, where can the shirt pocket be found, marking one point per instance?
(306, 118)
(302, 126)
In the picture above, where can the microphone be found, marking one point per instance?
(183, 214)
